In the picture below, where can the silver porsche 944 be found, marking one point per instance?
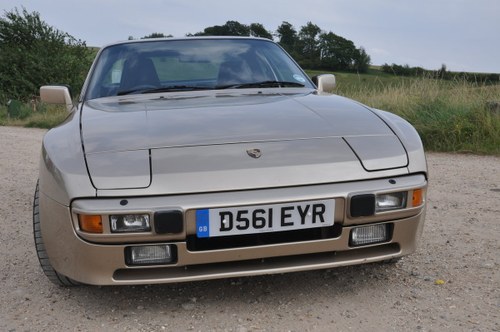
(201, 158)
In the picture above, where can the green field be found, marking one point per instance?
(452, 116)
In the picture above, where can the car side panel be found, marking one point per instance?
(410, 139)
(63, 172)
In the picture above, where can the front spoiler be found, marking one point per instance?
(103, 263)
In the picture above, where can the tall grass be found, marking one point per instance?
(455, 116)
(45, 116)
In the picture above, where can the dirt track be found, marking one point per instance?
(460, 246)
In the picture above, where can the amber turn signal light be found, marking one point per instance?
(418, 197)
(90, 223)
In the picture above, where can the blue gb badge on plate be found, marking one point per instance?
(202, 224)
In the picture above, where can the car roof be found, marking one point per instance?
(134, 41)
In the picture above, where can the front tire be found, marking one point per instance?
(43, 258)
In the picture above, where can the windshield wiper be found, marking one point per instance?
(162, 89)
(177, 88)
(263, 84)
(129, 92)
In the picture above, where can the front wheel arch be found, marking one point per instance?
(43, 258)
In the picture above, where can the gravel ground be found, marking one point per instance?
(451, 283)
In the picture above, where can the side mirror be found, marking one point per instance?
(325, 82)
(56, 94)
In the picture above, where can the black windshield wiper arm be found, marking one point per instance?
(162, 89)
(128, 92)
(263, 84)
(177, 88)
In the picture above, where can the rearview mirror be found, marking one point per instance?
(56, 94)
(325, 82)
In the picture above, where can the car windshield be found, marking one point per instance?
(192, 64)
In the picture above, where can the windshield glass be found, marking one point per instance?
(192, 64)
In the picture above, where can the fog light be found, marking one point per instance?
(369, 234)
(129, 223)
(149, 255)
(390, 201)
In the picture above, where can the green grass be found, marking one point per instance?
(373, 80)
(45, 116)
(451, 116)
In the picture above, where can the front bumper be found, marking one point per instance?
(99, 259)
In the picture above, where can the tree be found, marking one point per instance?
(337, 53)
(287, 36)
(157, 35)
(362, 61)
(308, 45)
(32, 54)
(230, 28)
(442, 72)
(258, 30)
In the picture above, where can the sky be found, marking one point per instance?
(462, 34)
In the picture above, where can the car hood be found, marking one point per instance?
(131, 141)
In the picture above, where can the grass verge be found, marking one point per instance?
(451, 116)
(44, 117)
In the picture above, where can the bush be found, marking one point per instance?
(32, 54)
(18, 110)
(3, 115)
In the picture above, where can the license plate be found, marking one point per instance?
(264, 218)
